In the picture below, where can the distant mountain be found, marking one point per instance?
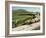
(21, 11)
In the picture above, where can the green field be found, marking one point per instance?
(19, 19)
(20, 16)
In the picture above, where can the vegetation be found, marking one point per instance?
(20, 16)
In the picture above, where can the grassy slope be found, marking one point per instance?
(19, 19)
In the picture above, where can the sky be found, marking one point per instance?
(33, 9)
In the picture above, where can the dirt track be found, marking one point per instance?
(27, 27)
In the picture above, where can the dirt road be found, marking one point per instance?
(27, 27)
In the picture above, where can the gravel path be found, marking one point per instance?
(27, 27)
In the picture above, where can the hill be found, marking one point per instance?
(21, 11)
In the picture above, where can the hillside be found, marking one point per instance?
(21, 11)
(23, 17)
